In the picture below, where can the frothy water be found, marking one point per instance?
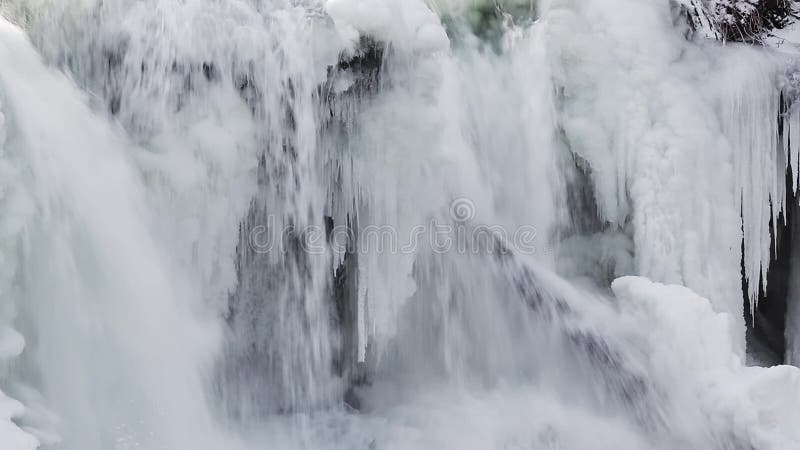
(370, 224)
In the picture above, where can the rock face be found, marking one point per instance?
(752, 21)
(739, 20)
(749, 20)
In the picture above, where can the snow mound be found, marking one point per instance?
(698, 337)
(759, 403)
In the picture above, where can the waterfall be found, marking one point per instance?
(377, 224)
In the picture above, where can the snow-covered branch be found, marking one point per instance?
(739, 20)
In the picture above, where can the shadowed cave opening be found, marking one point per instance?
(767, 333)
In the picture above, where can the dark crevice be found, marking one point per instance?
(766, 326)
(269, 303)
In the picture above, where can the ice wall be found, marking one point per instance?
(211, 121)
(762, 402)
(682, 142)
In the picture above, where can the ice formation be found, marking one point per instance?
(408, 24)
(219, 224)
(762, 402)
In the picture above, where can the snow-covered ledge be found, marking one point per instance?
(739, 20)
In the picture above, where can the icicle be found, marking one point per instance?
(760, 160)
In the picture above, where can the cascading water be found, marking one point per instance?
(372, 224)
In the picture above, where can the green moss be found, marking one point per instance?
(485, 20)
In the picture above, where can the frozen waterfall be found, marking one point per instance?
(399, 224)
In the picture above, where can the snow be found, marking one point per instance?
(787, 39)
(760, 403)
(701, 19)
(681, 324)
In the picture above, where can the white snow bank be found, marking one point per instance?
(760, 404)
(761, 401)
(698, 337)
(787, 39)
(408, 25)
(701, 21)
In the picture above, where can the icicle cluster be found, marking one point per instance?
(750, 124)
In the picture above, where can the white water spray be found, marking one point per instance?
(175, 177)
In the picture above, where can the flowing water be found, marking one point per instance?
(372, 224)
